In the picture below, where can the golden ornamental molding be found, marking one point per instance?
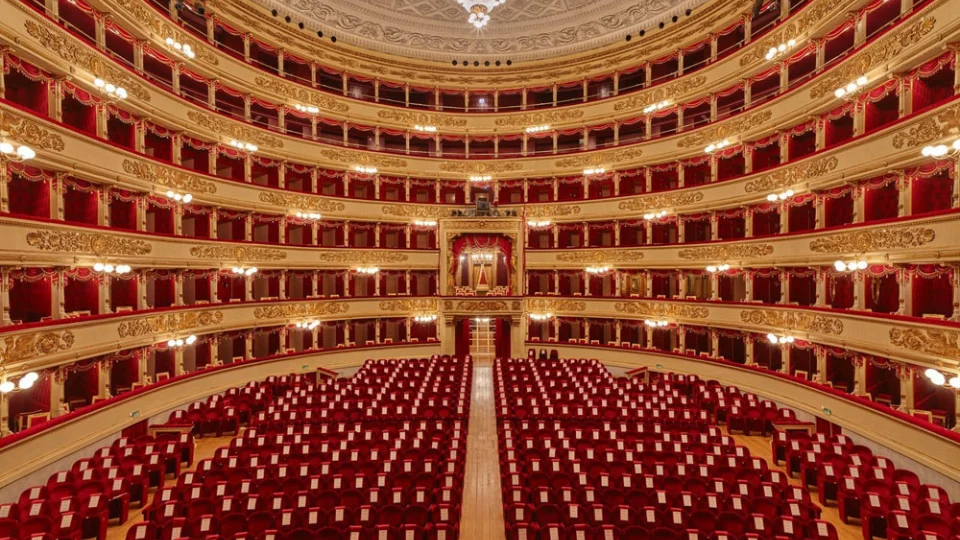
(229, 129)
(409, 306)
(722, 253)
(596, 256)
(26, 131)
(663, 309)
(168, 177)
(873, 57)
(352, 157)
(929, 130)
(26, 346)
(812, 15)
(93, 243)
(789, 320)
(873, 240)
(551, 210)
(238, 253)
(792, 175)
(79, 55)
(163, 29)
(301, 202)
(661, 201)
(608, 157)
(481, 306)
(945, 343)
(293, 311)
(171, 322)
(421, 211)
(363, 257)
(656, 95)
(546, 305)
(540, 118)
(731, 128)
(465, 167)
(301, 94)
(414, 118)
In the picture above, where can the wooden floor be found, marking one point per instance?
(482, 512)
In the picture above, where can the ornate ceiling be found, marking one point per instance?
(519, 30)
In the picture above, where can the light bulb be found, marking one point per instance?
(938, 379)
(170, 194)
(771, 197)
(179, 342)
(191, 340)
(108, 268)
(6, 387)
(840, 92)
(861, 81)
(840, 266)
(170, 41)
(25, 153)
(187, 198)
(772, 338)
(236, 270)
(955, 382)
(25, 383)
(98, 267)
(862, 265)
(6, 148)
(790, 339)
(172, 343)
(32, 376)
(930, 372)
(98, 83)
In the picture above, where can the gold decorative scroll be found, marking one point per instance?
(540, 118)
(421, 211)
(29, 132)
(301, 94)
(663, 309)
(22, 347)
(409, 306)
(238, 253)
(929, 130)
(660, 201)
(658, 94)
(551, 210)
(872, 57)
(601, 256)
(610, 157)
(229, 129)
(546, 305)
(792, 175)
(944, 343)
(873, 240)
(723, 130)
(362, 257)
(726, 252)
(167, 323)
(478, 306)
(93, 243)
(300, 202)
(812, 15)
(79, 55)
(466, 167)
(351, 157)
(293, 311)
(168, 177)
(423, 119)
(792, 320)
(163, 29)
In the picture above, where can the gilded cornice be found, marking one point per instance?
(872, 240)
(873, 57)
(23, 347)
(413, 118)
(540, 118)
(238, 253)
(662, 309)
(168, 323)
(168, 177)
(418, 211)
(936, 342)
(636, 102)
(26, 131)
(307, 309)
(813, 13)
(550, 305)
(349, 158)
(724, 253)
(294, 201)
(659, 201)
(229, 129)
(301, 94)
(607, 157)
(793, 174)
(723, 130)
(550, 210)
(793, 320)
(481, 305)
(474, 167)
(352, 257)
(421, 305)
(78, 55)
(92, 243)
(929, 129)
(609, 256)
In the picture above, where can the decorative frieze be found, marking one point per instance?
(414, 118)
(92, 243)
(601, 256)
(549, 305)
(726, 252)
(228, 129)
(169, 323)
(352, 157)
(873, 240)
(26, 131)
(295, 311)
(945, 343)
(663, 309)
(301, 202)
(480, 167)
(792, 175)
(23, 347)
(409, 306)
(168, 177)
(238, 253)
(731, 128)
(660, 201)
(609, 157)
(793, 320)
(301, 94)
(540, 118)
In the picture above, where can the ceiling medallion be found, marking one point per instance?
(479, 10)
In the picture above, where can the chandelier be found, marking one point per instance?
(479, 10)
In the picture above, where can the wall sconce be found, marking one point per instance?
(426, 129)
(595, 171)
(182, 49)
(111, 91)
(108, 268)
(656, 324)
(534, 224)
(480, 178)
(243, 146)
(181, 342)
(308, 215)
(941, 150)
(850, 266)
(364, 169)
(656, 107)
(25, 383)
(178, 197)
(239, 270)
(541, 316)
(780, 49)
(782, 196)
(425, 318)
(780, 340)
(370, 270)
(309, 109)
(654, 215)
(16, 152)
(718, 268)
(308, 325)
(940, 379)
(711, 148)
(851, 87)
(597, 270)
(537, 129)
(425, 223)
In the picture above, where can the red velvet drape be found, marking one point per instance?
(462, 337)
(502, 338)
(31, 298)
(36, 399)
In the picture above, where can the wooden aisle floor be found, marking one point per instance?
(482, 510)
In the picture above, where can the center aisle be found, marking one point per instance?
(482, 511)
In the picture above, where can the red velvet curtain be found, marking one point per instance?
(81, 295)
(839, 211)
(123, 213)
(462, 337)
(123, 292)
(803, 290)
(31, 298)
(78, 115)
(124, 372)
(502, 336)
(883, 293)
(840, 291)
(36, 399)
(82, 382)
(81, 202)
(933, 295)
(803, 217)
(29, 193)
(164, 290)
(881, 202)
(766, 288)
(932, 194)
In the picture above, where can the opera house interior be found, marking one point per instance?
(479, 269)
